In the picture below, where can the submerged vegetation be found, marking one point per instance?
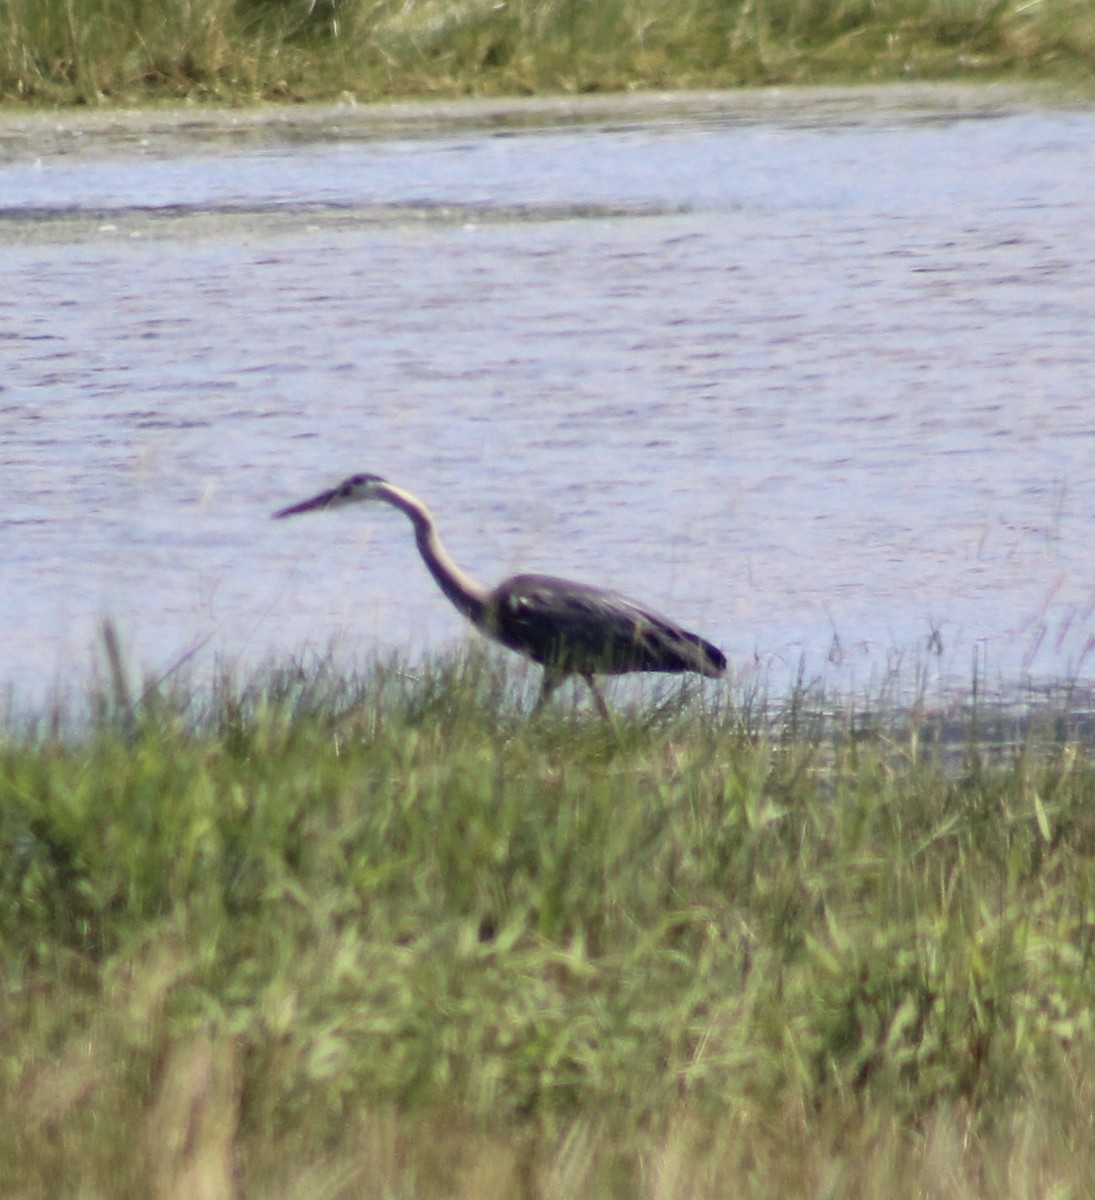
(132, 51)
(329, 936)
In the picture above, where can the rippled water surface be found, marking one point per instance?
(813, 374)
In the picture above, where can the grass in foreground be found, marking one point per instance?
(327, 937)
(132, 51)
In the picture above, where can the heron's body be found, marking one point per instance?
(569, 628)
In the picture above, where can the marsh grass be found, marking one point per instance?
(325, 935)
(95, 51)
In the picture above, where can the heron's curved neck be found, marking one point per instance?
(466, 593)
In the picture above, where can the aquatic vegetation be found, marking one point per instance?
(313, 933)
(95, 51)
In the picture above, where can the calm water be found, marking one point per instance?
(814, 374)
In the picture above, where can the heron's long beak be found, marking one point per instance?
(323, 500)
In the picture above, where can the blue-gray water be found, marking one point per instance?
(813, 374)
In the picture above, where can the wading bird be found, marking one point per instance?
(568, 628)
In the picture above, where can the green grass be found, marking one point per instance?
(328, 936)
(240, 51)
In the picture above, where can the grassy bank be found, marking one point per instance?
(329, 937)
(133, 51)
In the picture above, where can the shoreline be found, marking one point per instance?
(67, 130)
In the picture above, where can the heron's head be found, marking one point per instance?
(354, 490)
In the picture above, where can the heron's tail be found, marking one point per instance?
(710, 660)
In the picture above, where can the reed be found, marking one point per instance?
(240, 51)
(317, 934)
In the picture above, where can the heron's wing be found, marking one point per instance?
(576, 627)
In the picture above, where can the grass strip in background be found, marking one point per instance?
(241, 51)
(328, 936)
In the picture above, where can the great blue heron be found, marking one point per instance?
(569, 628)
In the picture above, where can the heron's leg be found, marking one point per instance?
(551, 681)
(598, 699)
